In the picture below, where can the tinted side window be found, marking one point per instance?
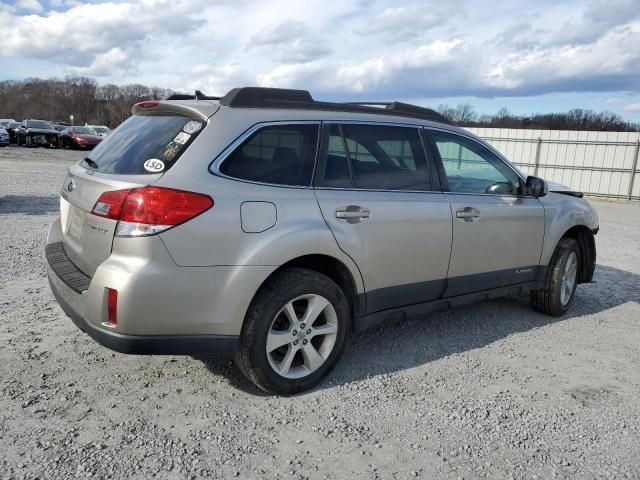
(471, 168)
(386, 157)
(279, 154)
(335, 171)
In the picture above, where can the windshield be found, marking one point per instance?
(39, 124)
(141, 138)
(101, 129)
(84, 130)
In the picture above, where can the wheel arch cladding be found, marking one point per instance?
(586, 241)
(332, 268)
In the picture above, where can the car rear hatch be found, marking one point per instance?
(135, 155)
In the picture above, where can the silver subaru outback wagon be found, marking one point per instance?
(270, 225)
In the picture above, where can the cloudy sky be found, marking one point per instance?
(547, 55)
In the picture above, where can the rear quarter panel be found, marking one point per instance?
(216, 238)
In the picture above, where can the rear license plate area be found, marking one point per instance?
(76, 222)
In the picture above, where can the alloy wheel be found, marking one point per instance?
(302, 336)
(568, 281)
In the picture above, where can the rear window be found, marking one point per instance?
(144, 144)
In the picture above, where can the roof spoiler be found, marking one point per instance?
(197, 96)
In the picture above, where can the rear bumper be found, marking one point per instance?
(149, 344)
(69, 287)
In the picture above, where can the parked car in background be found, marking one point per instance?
(35, 133)
(270, 225)
(60, 127)
(102, 130)
(4, 137)
(79, 137)
(13, 129)
(5, 122)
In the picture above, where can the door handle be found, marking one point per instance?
(467, 214)
(352, 212)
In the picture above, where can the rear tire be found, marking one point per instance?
(561, 280)
(294, 332)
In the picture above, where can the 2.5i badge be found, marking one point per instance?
(153, 165)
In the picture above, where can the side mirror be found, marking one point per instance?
(536, 187)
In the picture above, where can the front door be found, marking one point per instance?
(375, 190)
(497, 231)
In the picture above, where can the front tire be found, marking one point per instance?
(294, 332)
(561, 280)
(28, 142)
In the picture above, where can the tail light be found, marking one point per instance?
(112, 306)
(150, 210)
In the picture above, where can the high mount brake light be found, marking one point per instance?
(149, 104)
(150, 210)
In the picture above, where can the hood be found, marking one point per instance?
(563, 189)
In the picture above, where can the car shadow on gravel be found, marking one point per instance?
(225, 367)
(29, 204)
(400, 345)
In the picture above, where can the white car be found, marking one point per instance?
(102, 130)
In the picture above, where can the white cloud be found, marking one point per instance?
(90, 37)
(612, 56)
(215, 80)
(280, 33)
(114, 62)
(633, 107)
(408, 21)
(30, 5)
(383, 49)
(290, 42)
(598, 18)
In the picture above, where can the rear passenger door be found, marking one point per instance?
(497, 230)
(378, 195)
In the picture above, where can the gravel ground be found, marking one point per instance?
(494, 390)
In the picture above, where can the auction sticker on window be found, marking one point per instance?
(153, 165)
(171, 150)
(192, 126)
(182, 138)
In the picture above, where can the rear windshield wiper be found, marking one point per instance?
(90, 163)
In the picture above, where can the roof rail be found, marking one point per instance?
(407, 109)
(259, 97)
(263, 97)
(197, 96)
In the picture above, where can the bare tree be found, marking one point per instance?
(576, 119)
(465, 113)
(56, 100)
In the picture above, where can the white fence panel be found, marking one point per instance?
(597, 163)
